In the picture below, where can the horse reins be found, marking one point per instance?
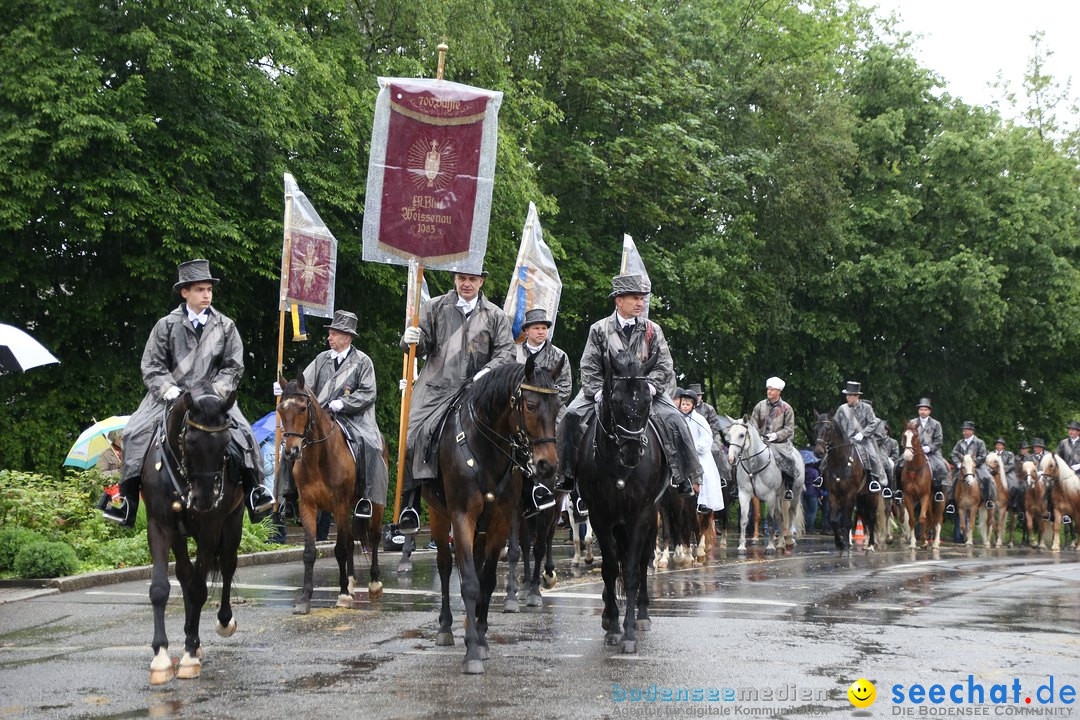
(521, 445)
(308, 425)
(745, 461)
(178, 466)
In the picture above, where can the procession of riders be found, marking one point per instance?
(461, 335)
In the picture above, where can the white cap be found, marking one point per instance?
(775, 382)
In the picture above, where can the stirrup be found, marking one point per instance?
(898, 495)
(363, 509)
(704, 509)
(788, 495)
(723, 482)
(819, 481)
(542, 498)
(409, 522)
(950, 509)
(939, 496)
(1066, 520)
(564, 484)
(886, 493)
(260, 500)
(1046, 516)
(989, 504)
(119, 514)
(874, 486)
(1019, 514)
(581, 508)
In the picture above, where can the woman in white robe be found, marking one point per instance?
(710, 493)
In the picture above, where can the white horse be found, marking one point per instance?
(759, 476)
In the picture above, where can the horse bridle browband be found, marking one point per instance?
(621, 433)
(521, 445)
(178, 466)
(308, 424)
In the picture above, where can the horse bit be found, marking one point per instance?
(304, 441)
(521, 445)
(184, 503)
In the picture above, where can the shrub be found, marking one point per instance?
(43, 559)
(122, 552)
(12, 540)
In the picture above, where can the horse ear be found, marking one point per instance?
(654, 357)
(530, 366)
(300, 381)
(281, 379)
(557, 370)
(229, 401)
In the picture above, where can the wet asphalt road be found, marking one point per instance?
(764, 637)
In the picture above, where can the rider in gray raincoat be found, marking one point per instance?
(460, 334)
(192, 345)
(858, 422)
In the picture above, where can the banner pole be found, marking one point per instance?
(406, 399)
(285, 270)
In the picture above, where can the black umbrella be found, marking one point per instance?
(19, 352)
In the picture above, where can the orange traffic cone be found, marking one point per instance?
(860, 533)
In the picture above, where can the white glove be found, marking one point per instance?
(926, 449)
(402, 384)
(599, 394)
(1075, 466)
(481, 374)
(771, 437)
(858, 437)
(277, 389)
(411, 336)
(171, 394)
(336, 405)
(652, 389)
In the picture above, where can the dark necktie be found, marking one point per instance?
(337, 363)
(627, 331)
(198, 328)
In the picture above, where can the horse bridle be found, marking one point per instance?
(178, 466)
(620, 434)
(745, 461)
(309, 425)
(521, 445)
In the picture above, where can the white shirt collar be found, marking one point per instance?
(623, 322)
(192, 316)
(467, 306)
(534, 348)
(335, 355)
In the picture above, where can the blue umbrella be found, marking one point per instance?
(808, 457)
(265, 426)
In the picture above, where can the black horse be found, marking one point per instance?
(531, 538)
(191, 489)
(846, 480)
(504, 421)
(622, 473)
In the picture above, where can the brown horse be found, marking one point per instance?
(324, 472)
(1065, 491)
(916, 480)
(503, 421)
(969, 500)
(995, 519)
(846, 481)
(1035, 489)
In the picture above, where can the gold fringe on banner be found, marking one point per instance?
(297, 336)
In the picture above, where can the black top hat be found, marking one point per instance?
(481, 272)
(1038, 442)
(629, 284)
(852, 388)
(696, 389)
(1073, 425)
(1000, 440)
(924, 402)
(1024, 445)
(194, 271)
(681, 393)
(967, 425)
(344, 321)
(535, 316)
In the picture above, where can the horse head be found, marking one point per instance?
(824, 432)
(1048, 466)
(742, 436)
(1030, 473)
(967, 468)
(627, 402)
(537, 401)
(297, 412)
(912, 444)
(200, 424)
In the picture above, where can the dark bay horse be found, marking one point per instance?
(846, 480)
(916, 481)
(532, 539)
(622, 474)
(504, 421)
(189, 491)
(324, 472)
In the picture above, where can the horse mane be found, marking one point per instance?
(1066, 474)
(490, 393)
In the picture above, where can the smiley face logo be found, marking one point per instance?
(862, 693)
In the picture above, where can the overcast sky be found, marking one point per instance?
(968, 42)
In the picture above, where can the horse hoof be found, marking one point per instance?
(189, 668)
(483, 651)
(161, 668)
(613, 638)
(662, 564)
(344, 601)
(629, 646)
(535, 600)
(643, 625)
(550, 580)
(226, 630)
(770, 550)
(605, 623)
(473, 667)
(511, 605)
(589, 560)
(742, 550)
(301, 608)
(374, 590)
(444, 639)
